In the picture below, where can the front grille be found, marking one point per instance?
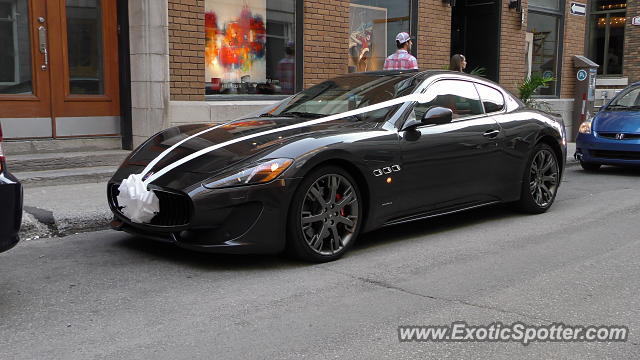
(612, 135)
(175, 208)
(622, 155)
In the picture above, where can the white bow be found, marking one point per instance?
(138, 204)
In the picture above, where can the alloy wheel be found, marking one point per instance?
(329, 215)
(543, 178)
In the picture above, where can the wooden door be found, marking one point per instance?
(85, 58)
(73, 61)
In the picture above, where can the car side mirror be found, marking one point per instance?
(437, 115)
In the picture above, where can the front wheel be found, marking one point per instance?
(325, 215)
(540, 180)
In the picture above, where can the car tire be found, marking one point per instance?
(325, 216)
(590, 167)
(540, 180)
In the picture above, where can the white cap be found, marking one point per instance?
(403, 37)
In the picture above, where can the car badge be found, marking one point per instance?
(619, 136)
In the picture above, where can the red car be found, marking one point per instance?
(10, 205)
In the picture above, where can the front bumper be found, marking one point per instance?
(11, 216)
(247, 219)
(597, 150)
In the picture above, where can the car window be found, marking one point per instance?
(459, 96)
(630, 98)
(492, 99)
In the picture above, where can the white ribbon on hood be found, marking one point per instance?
(141, 204)
(366, 109)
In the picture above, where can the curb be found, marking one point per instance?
(39, 223)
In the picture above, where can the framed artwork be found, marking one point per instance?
(235, 41)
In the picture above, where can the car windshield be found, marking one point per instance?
(348, 93)
(628, 99)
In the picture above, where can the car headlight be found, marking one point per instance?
(585, 127)
(256, 173)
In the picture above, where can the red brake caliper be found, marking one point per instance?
(338, 198)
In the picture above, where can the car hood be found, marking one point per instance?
(618, 121)
(267, 134)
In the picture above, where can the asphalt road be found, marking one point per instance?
(108, 295)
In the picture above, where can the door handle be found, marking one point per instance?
(491, 133)
(42, 38)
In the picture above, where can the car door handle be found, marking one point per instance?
(491, 133)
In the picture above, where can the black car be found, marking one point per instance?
(10, 205)
(347, 156)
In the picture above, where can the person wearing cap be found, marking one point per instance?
(401, 59)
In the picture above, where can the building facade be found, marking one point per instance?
(127, 69)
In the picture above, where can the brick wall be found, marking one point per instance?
(326, 40)
(574, 37)
(512, 47)
(434, 34)
(186, 49)
(632, 43)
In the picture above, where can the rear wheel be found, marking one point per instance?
(590, 166)
(540, 180)
(325, 216)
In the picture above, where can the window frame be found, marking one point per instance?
(592, 14)
(560, 16)
(504, 100)
(413, 29)
(298, 16)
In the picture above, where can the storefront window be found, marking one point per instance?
(250, 47)
(607, 35)
(545, 48)
(374, 25)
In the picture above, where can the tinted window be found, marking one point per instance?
(492, 99)
(459, 96)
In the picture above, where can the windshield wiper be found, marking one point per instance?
(302, 114)
(357, 117)
(267, 115)
(617, 106)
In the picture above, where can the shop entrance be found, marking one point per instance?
(475, 33)
(58, 68)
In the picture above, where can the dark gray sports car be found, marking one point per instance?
(347, 156)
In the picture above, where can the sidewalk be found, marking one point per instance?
(51, 211)
(61, 210)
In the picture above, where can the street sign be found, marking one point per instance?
(582, 74)
(578, 9)
(635, 21)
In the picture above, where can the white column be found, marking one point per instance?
(149, 52)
